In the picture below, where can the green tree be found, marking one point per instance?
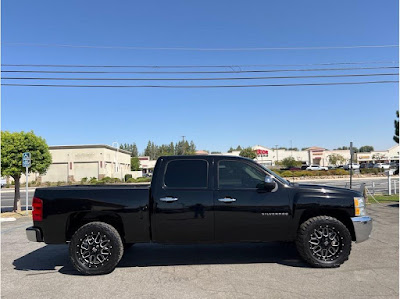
(135, 164)
(290, 162)
(366, 149)
(396, 128)
(336, 159)
(130, 148)
(248, 152)
(13, 145)
(355, 150)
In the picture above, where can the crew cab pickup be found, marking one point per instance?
(199, 199)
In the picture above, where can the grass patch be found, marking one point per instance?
(15, 214)
(384, 198)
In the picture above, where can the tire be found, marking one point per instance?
(332, 237)
(96, 248)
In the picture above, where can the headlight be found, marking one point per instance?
(359, 206)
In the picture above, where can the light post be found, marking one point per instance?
(276, 149)
(116, 156)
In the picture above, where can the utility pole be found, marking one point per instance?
(291, 148)
(183, 144)
(276, 149)
(351, 164)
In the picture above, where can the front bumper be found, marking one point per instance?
(34, 234)
(362, 227)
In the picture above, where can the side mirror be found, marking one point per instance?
(269, 183)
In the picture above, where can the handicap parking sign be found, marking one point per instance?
(26, 159)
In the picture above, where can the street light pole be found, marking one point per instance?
(276, 149)
(351, 164)
(116, 156)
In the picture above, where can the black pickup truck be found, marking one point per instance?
(199, 199)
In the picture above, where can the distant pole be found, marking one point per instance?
(291, 148)
(351, 164)
(26, 190)
(183, 144)
(276, 148)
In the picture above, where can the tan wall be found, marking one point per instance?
(77, 163)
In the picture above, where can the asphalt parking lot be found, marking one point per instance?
(251, 270)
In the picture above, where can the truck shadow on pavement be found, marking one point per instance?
(49, 257)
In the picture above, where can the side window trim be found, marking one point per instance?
(164, 186)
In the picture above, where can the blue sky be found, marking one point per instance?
(215, 119)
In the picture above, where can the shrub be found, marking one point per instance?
(127, 177)
(141, 180)
(371, 170)
(287, 173)
(84, 180)
(93, 180)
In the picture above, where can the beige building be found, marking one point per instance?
(146, 164)
(71, 163)
(318, 155)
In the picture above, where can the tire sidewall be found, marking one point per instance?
(115, 242)
(345, 242)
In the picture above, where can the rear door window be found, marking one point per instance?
(186, 174)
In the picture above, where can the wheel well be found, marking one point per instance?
(342, 216)
(77, 220)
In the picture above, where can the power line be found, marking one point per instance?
(193, 66)
(199, 79)
(199, 49)
(202, 86)
(199, 72)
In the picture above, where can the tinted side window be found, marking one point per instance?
(186, 174)
(237, 175)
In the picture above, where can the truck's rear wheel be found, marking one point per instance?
(323, 242)
(96, 248)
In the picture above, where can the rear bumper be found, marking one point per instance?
(34, 234)
(362, 227)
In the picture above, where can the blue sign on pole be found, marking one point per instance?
(26, 160)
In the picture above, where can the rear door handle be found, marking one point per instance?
(168, 199)
(227, 199)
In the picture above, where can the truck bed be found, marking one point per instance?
(125, 205)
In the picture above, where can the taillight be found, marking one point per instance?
(37, 209)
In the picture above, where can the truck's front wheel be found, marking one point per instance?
(323, 242)
(96, 248)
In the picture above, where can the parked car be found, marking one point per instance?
(385, 166)
(3, 182)
(366, 165)
(316, 167)
(199, 199)
(304, 167)
(291, 168)
(351, 166)
(394, 165)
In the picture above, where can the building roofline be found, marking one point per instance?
(56, 147)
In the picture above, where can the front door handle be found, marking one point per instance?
(227, 199)
(168, 199)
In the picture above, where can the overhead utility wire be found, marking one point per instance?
(198, 79)
(192, 66)
(203, 86)
(200, 49)
(198, 72)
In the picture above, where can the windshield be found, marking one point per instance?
(279, 178)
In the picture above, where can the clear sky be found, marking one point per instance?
(215, 119)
